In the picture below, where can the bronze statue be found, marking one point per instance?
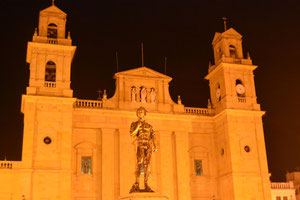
(145, 138)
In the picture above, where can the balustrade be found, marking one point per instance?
(197, 111)
(80, 103)
(6, 165)
(282, 185)
(52, 41)
(50, 84)
(241, 99)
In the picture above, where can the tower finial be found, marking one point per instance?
(142, 49)
(99, 95)
(117, 61)
(225, 23)
(53, 2)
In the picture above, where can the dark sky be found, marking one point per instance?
(182, 30)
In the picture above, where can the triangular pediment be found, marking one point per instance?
(231, 33)
(53, 9)
(143, 72)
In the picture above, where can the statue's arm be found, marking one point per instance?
(134, 128)
(153, 137)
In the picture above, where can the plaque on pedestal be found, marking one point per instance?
(144, 196)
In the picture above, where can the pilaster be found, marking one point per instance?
(167, 167)
(108, 163)
(182, 165)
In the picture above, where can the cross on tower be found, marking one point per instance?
(99, 94)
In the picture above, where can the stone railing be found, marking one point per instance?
(242, 99)
(59, 41)
(282, 185)
(81, 103)
(50, 84)
(52, 41)
(9, 164)
(197, 111)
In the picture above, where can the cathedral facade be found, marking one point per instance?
(77, 149)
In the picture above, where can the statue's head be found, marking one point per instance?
(141, 112)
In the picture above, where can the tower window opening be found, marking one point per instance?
(198, 167)
(238, 81)
(50, 72)
(52, 31)
(220, 53)
(240, 89)
(232, 51)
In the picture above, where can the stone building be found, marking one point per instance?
(81, 149)
(295, 178)
(283, 190)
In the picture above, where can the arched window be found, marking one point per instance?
(50, 72)
(232, 51)
(52, 31)
(240, 89)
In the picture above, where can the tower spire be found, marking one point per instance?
(225, 23)
(53, 2)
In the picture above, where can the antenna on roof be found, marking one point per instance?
(225, 23)
(142, 49)
(117, 61)
(165, 64)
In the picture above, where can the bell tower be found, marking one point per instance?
(231, 78)
(50, 55)
(48, 107)
(242, 162)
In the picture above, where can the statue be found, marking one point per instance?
(133, 94)
(143, 95)
(145, 138)
(152, 95)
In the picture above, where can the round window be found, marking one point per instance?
(247, 148)
(47, 140)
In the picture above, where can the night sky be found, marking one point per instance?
(183, 31)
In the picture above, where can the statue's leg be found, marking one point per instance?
(147, 169)
(138, 164)
(136, 186)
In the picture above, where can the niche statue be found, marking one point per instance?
(145, 138)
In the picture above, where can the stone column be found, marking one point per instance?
(182, 165)
(108, 164)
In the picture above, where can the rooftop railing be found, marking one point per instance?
(282, 185)
(197, 111)
(9, 164)
(81, 103)
(94, 104)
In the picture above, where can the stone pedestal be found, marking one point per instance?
(144, 196)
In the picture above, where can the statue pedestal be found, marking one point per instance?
(144, 196)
